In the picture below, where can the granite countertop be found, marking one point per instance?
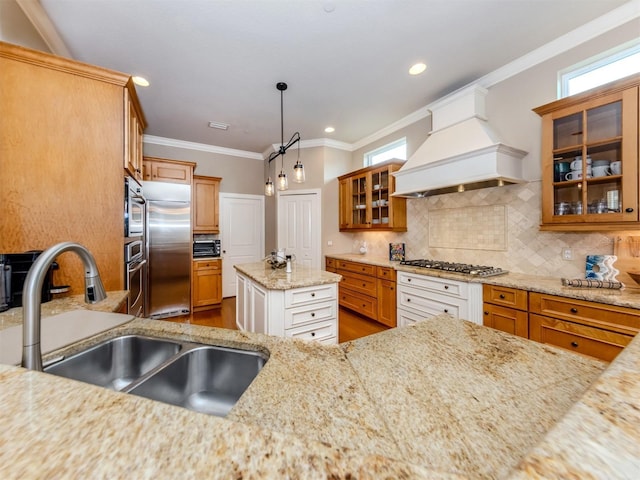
(441, 399)
(627, 297)
(114, 301)
(278, 279)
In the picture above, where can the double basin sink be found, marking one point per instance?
(203, 378)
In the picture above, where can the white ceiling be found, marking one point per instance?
(219, 60)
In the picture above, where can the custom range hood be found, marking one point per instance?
(461, 153)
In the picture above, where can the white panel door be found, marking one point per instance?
(242, 220)
(299, 226)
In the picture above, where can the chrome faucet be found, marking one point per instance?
(32, 297)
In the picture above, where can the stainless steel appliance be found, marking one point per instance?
(134, 211)
(206, 248)
(5, 283)
(462, 268)
(134, 263)
(168, 251)
(14, 268)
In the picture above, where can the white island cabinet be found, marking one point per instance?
(301, 304)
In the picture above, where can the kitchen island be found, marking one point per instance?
(300, 304)
(442, 399)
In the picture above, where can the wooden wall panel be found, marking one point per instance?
(61, 167)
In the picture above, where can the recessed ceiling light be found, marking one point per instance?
(329, 130)
(219, 125)
(417, 69)
(143, 82)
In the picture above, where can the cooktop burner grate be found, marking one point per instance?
(463, 268)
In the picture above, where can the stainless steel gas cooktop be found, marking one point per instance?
(463, 268)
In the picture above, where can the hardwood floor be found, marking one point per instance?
(350, 325)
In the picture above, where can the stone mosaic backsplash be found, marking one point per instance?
(494, 226)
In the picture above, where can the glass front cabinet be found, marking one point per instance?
(366, 202)
(590, 159)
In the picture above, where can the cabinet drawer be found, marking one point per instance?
(386, 273)
(508, 320)
(359, 283)
(406, 318)
(594, 342)
(320, 331)
(207, 265)
(610, 317)
(315, 312)
(363, 304)
(304, 295)
(330, 263)
(429, 305)
(434, 284)
(505, 296)
(357, 267)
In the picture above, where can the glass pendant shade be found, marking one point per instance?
(298, 172)
(268, 188)
(283, 183)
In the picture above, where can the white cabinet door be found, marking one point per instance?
(260, 308)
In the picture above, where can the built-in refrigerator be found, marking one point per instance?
(168, 243)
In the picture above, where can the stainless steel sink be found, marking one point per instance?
(206, 379)
(116, 363)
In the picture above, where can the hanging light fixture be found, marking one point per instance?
(298, 169)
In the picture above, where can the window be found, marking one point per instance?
(397, 149)
(606, 67)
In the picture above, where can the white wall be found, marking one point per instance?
(16, 28)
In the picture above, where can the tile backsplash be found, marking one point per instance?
(494, 226)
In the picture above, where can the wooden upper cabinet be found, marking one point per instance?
(366, 201)
(165, 170)
(205, 204)
(601, 127)
(134, 126)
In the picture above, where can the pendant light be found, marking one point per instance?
(298, 170)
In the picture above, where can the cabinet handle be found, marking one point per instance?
(486, 313)
(446, 287)
(574, 310)
(364, 284)
(574, 344)
(502, 296)
(313, 334)
(408, 279)
(313, 294)
(408, 299)
(628, 210)
(446, 311)
(391, 288)
(313, 314)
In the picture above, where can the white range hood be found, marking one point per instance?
(461, 153)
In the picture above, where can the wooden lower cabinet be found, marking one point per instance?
(368, 290)
(508, 320)
(589, 328)
(206, 288)
(595, 342)
(505, 308)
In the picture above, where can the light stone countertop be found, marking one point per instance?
(278, 279)
(442, 399)
(627, 297)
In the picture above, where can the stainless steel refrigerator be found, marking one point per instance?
(168, 249)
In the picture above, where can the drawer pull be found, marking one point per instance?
(502, 296)
(313, 294)
(446, 311)
(486, 313)
(313, 314)
(446, 287)
(364, 284)
(574, 344)
(408, 299)
(574, 310)
(408, 279)
(313, 334)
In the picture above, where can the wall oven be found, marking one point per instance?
(134, 208)
(135, 276)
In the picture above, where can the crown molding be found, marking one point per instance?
(203, 147)
(42, 23)
(615, 18)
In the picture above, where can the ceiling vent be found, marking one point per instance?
(461, 153)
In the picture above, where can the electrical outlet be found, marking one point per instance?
(330, 243)
(567, 254)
